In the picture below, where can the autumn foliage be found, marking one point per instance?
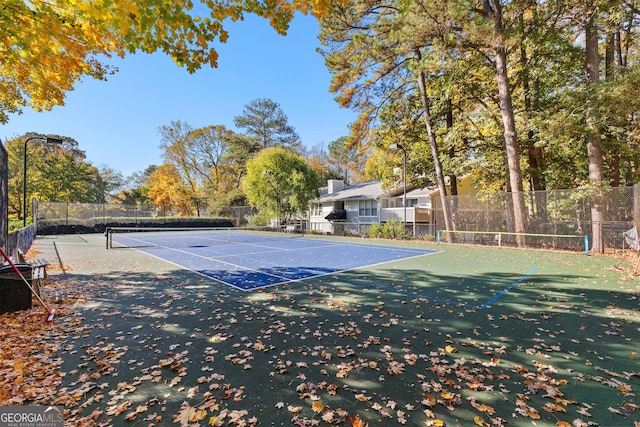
(46, 47)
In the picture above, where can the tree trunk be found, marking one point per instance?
(535, 155)
(446, 211)
(508, 120)
(453, 179)
(594, 144)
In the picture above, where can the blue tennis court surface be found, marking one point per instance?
(252, 265)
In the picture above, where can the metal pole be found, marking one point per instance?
(24, 180)
(404, 196)
(397, 146)
(24, 172)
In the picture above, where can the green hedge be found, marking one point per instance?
(99, 225)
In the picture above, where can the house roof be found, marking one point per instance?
(412, 192)
(359, 191)
(370, 190)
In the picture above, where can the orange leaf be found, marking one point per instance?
(357, 421)
(533, 414)
(429, 400)
(362, 397)
(317, 407)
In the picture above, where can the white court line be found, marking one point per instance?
(285, 279)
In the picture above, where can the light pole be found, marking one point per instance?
(47, 140)
(404, 175)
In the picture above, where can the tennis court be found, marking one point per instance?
(410, 331)
(249, 259)
(252, 258)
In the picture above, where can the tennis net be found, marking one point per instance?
(137, 237)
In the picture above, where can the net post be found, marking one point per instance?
(107, 234)
(499, 240)
(586, 245)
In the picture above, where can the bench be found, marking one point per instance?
(38, 273)
(290, 228)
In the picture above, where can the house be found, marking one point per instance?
(352, 209)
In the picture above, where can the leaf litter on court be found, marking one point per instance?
(319, 353)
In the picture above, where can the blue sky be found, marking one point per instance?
(116, 122)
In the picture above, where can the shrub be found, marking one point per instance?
(388, 230)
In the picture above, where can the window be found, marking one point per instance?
(367, 208)
(316, 209)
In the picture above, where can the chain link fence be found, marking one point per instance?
(64, 218)
(4, 197)
(20, 240)
(556, 218)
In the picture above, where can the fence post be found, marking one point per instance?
(34, 210)
(586, 245)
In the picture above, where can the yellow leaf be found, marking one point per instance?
(447, 395)
(479, 421)
(317, 407)
(485, 408)
(451, 349)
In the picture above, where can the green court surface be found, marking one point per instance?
(465, 336)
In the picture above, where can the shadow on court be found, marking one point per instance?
(402, 341)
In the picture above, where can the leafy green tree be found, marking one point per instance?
(264, 122)
(280, 183)
(55, 173)
(241, 149)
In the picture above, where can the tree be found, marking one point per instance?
(178, 145)
(107, 182)
(169, 192)
(344, 157)
(49, 46)
(241, 149)
(264, 122)
(375, 55)
(137, 191)
(280, 184)
(55, 173)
